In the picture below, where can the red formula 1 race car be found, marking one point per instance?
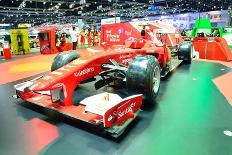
(137, 70)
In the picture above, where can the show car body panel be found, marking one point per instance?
(82, 68)
(55, 90)
(92, 62)
(87, 66)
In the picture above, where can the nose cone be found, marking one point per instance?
(38, 86)
(46, 83)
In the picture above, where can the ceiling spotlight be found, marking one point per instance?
(71, 5)
(81, 2)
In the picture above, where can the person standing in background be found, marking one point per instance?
(73, 35)
(89, 37)
(177, 36)
(215, 33)
(95, 37)
(82, 34)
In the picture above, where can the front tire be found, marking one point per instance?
(143, 77)
(63, 59)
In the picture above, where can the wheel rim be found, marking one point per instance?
(156, 79)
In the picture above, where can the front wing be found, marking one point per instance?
(113, 121)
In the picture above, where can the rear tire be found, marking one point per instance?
(185, 52)
(143, 77)
(63, 59)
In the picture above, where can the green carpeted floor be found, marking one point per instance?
(189, 118)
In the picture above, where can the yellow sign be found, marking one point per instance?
(24, 25)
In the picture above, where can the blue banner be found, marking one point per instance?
(153, 8)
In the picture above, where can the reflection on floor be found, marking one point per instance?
(26, 67)
(190, 117)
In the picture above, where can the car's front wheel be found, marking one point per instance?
(63, 59)
(143, 77)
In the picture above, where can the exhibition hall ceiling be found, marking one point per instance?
(40, 11)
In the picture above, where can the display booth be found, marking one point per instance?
(157, 37)
(140, 34)
(47, 39)
(204, 26)
(52, 41)
(226, 33)
(212, 48)
(19, 41)
(211, 43)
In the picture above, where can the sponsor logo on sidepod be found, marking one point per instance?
(84, 72)
(125, 56)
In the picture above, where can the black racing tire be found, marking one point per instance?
(63, 59)
(143, 77)
(185, 52)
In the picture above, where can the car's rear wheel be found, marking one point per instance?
(185, 52)
(143, 77)
(63, 59)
